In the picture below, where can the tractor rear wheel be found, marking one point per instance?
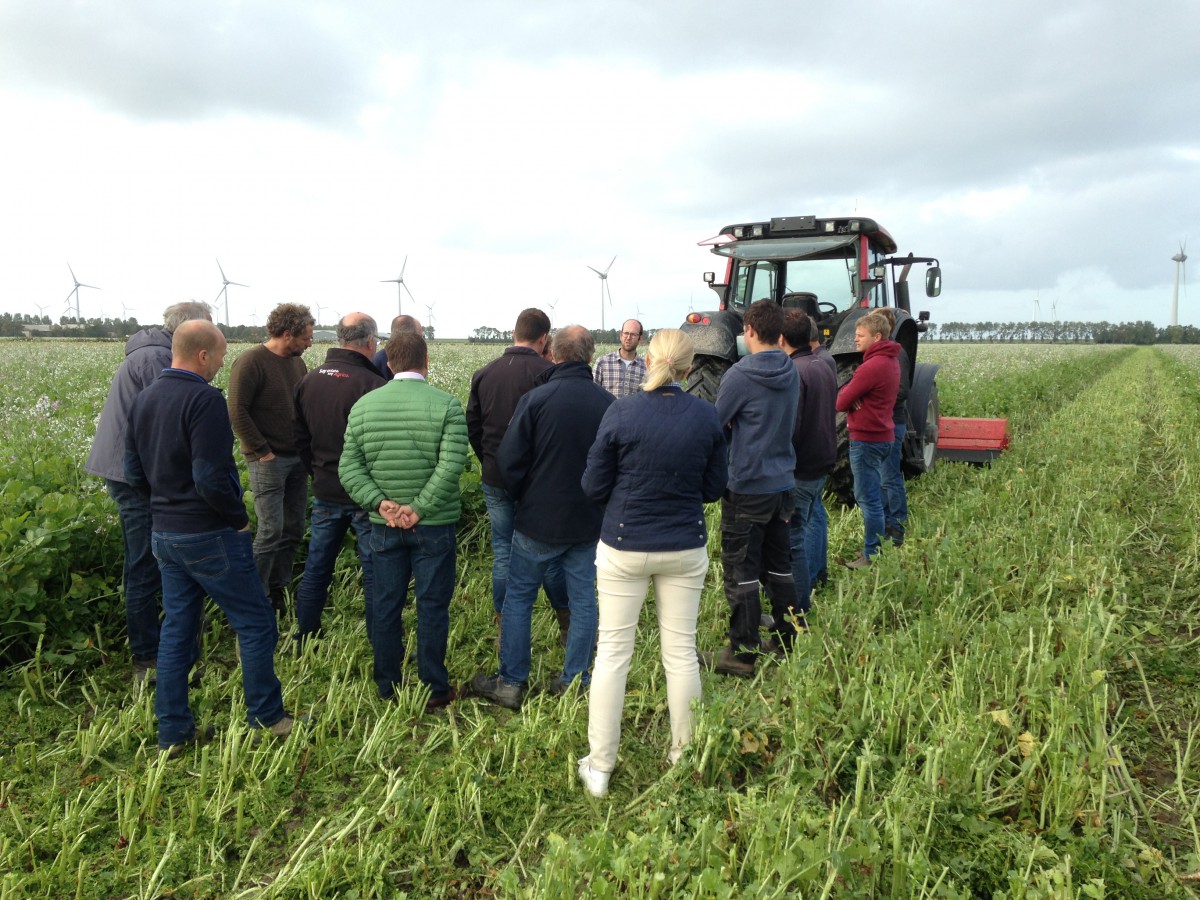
(705, 377)
(841, 479)
(920, 448)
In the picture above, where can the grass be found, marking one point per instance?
(1004, 707)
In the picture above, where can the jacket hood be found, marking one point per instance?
(148, 337)
(768, 368)
(883, 348)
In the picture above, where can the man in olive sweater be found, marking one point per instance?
(262, 385)
(405, 449)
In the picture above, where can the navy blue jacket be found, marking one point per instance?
(814, 436)
(757, 402)
(179, 450)
(544, 452)
(658, 458)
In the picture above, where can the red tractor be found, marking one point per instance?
(837, 271)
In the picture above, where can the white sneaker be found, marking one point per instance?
(594, 780)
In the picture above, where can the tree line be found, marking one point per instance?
(1142, 332)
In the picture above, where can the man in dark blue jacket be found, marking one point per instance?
(541, 461)
(814, 438)
(757, 403)
(178, 452)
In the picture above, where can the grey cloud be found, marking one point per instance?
(181, 62)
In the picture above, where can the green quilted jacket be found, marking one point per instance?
(406, 441)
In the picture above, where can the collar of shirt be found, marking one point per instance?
(408, 376)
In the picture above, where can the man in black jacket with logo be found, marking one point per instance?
(323, 401)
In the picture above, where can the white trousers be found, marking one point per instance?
(622, 578)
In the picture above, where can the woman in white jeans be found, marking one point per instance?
(659, 456)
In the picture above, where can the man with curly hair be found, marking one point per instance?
(262, 387)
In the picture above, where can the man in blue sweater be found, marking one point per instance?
(756, 402)
(178, 453)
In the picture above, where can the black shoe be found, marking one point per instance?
(199, 736)
(493, 689)
(559, 685)
(895, 535)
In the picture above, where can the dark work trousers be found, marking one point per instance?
(756, 547)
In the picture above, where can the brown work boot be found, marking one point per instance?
(564, 625)
(727, 663)
(859, 562)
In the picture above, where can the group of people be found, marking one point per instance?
(595, 480)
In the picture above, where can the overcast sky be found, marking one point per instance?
(1040, 151)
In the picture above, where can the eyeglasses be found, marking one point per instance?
(631, 334)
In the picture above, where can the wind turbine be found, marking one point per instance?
(75, 293)
(224, 292)
(320, 309)
(401, 287)
(553, 306)
(429, 320)
(1037, 308)
(1180, 260)
(604, 289)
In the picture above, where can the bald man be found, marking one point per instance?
(400, 325)
(178, 452)
(323, 402)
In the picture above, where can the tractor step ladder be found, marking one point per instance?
(971, 440)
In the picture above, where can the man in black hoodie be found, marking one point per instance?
(323, 401)
(814, 438)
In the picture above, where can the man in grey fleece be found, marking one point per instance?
(147, 353)
(756, 402)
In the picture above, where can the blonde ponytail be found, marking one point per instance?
(669, 358)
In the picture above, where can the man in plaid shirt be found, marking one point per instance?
(621, 372)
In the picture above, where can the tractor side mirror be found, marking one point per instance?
(710, 277)
(933, 281)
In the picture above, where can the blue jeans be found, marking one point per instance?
(868, 463)
(280, 501)
(219, 564)
(816, 540)
(807, 496)
(502, 510)
(427, 556)
(895, 499)
(141, 579)
(530, 562)
(329, 524)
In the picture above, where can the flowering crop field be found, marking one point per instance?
(1007, 706)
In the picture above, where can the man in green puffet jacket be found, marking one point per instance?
(406, 447)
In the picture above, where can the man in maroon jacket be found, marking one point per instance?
(868, 399)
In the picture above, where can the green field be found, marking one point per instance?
(1006, 706)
